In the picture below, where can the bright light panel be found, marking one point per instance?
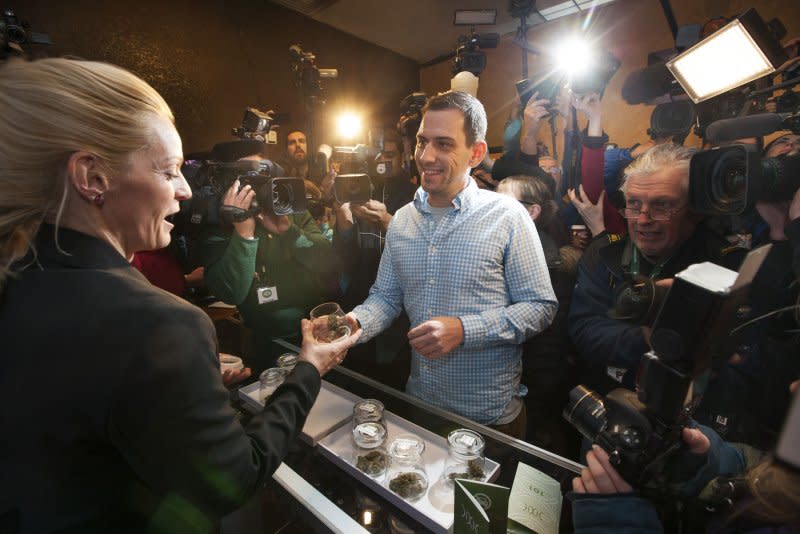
(474, 17)
(725, 60)
(573, 56)
(348, 125)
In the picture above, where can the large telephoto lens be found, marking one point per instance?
(586, 411)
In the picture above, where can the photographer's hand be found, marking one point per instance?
(532, 117)
(241, 199)
(592, 214)
(373, 211)
(599, 476)
(591, 107)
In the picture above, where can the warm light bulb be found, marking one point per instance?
(348, 125)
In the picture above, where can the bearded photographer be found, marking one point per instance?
(268, 265)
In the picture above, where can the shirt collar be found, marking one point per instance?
(462, 201)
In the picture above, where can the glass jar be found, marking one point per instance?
(464, 456)
(270, 380)
(368, 410)
(369, 456)
(287, 361)
(406, 475)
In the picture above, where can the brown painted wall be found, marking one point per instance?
(630, 29)
(211, 59)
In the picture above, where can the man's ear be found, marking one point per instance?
(534, 210)
(87, 175)
(479, 149)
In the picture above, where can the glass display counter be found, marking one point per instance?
(313, 494)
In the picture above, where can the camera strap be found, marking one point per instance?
(657, 268)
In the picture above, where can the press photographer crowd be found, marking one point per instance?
(635, 309)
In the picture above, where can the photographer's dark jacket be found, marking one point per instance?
(114, 415)
(603, 342)
(290, 262)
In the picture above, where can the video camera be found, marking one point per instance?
(411, 114)
(359, 171)
(469, 54)
(14, 34)
(275, 194)
(308, 76)
(641, 430)
(730, 180)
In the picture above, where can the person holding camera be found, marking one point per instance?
(269, 266)
(130, 428)
(296, 161)
(663, 239)
(467, 266)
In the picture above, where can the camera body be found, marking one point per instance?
(411, 114)
(275, 194)
(469, 56)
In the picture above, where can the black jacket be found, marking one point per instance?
(114, 414)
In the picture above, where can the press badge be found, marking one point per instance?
(266, 294)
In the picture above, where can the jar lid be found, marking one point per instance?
(369, 434)
(272, 375)
(287, 360)
(368, 408)
(466, 441)
(407, 447)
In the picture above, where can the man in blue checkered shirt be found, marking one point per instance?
(468, 267)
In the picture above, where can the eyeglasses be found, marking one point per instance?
(656, 212)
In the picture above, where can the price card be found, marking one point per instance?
(535, 500)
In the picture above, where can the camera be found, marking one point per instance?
(275, 194)
(411, 114)
(307, 76)
(358, 170)
(355, 188)
(14, 34)
(595, 78)
(469, 56)
(730, 180)
(641, 430)
(257, 125)
(546, 89)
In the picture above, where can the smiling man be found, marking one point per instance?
(663, 239)
(467, 265)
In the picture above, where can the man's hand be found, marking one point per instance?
(274, 224)
(241, 199)
(230, 377)
(532, 117)
(590, 106)
(373, 211)
(437, 337)
(776, 215)
(599, 476)
(592, 214)
(322, 355)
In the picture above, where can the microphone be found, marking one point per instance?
(740, 127)
(647, 84)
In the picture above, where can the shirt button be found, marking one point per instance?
(431, 281)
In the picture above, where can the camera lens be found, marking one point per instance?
(729, 183)
(282, 198)
(586, 411)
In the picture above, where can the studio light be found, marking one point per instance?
(738, 53)
(348, 125)
(474, 17)
(573, 56)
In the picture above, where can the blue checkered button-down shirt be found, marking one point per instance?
(484, 264)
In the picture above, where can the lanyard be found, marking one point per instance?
(635, 264)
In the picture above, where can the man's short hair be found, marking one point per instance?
(658, 158)
(290, 132)
(535, 190)
(469, 106)
(391, 136)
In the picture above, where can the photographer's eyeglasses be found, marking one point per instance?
(656, 212)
